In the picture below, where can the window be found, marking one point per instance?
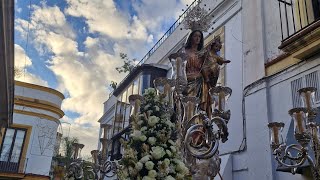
(145, 82)
(296, 15)
(11, 148)
(136, 86)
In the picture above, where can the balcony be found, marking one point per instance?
(300, 22)
(11, 165)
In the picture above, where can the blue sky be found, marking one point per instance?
(73, 46)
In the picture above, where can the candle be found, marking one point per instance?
(76, 150)
(308, 100)
(179, 64)
(221, 101)
(275, 135)
(104, 147)
(94, 154)
(105, 132)
(137, 106)
(190, 110)
(315, 135)
(299, 121)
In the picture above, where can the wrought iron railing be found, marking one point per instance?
(11, 164)
(296, 15)
(165, 36)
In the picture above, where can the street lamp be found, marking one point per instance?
(305, 130)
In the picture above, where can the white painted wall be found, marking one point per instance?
(38, 94)
(43, 135)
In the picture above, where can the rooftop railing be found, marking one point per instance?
(166, 35)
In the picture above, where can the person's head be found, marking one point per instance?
(195, 38)
(216, 44)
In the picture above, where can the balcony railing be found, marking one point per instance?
(297, 15)
(11, 165)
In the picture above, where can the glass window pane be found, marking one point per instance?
(136, 86)
(7, 145)
(16, 151)
(124, 96)
(129, 92)
(140, 84)
(145, 82)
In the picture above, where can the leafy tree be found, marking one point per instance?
(113, 85)
(68, 149)
(128, 66)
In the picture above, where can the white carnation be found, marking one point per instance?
(139, 166)
(169, 123)
(146, 107)
(180, 176)
(145, 159)
(152, 140)
(143, 128)
(173, 149)
(157, 152)
(153, 120)
(171, 142)
(181, 167)
(149, 165)
(136, 134)
(143, 138)
(147, 178)
(169, 178)
(152, 173)
(166, 161)
(169, 153)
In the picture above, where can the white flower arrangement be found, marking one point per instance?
(150, 153)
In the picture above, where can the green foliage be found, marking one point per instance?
(127, 67)
(113, 85)
(128, 64)
(68, 149)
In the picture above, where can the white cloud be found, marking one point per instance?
(31, 78)
(51, 18)
(154, 13)
(22, 61)
(101, 16)
(84, 76)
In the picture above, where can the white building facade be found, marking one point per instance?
(27, 146)
(274, 51)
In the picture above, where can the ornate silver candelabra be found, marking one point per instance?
(102, 167)
(306, 130)
(75, 169)
(198, 133)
